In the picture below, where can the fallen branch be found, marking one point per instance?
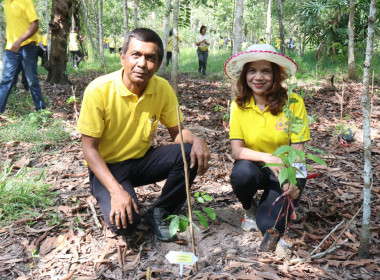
(94, 213)
(327, 236)
(27, 220)
(71, 274)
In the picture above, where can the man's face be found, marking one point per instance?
(140, 62)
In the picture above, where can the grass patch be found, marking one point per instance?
(23, 194)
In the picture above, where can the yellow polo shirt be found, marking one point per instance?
(125, 123)
(74, 42)
(170, 43)
(19, 14)
(262, 131)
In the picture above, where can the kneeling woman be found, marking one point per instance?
(257, 129)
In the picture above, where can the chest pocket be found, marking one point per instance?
(150, 129)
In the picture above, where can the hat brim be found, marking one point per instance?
(235, 63)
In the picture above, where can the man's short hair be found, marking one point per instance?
(145, 35)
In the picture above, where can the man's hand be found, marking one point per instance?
(291, 191)
(16, 46)
(201, 155)
(122, 203)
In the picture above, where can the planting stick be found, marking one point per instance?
(341, 104)
(187, 187)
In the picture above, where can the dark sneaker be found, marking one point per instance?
(155, 219)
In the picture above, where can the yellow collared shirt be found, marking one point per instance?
(262, 131)
(125, 123)
(19, 14)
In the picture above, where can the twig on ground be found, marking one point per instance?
(327, 236)
(94, 213)
(71, 274)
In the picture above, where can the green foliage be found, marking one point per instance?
(218, 108)
(72, 99)
(180, 222)
(23, 194)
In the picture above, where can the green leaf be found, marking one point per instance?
(293, 100)
(200, 200)
(310, 119)
(207, 198)
(282, 150)
(301, 155)
(273, 164)
(183, 224)
(210, 212)
(316, 150)
(196, 194)
(174, 225)
(292, 156)
(292, 175)
(283, 175)
(316, 159)
(202, 220)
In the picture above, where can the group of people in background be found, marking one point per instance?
(113, 43)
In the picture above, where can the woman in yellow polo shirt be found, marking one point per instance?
(257, 129)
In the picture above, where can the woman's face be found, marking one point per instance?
(260, 76)
(204, 31)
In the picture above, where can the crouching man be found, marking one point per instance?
(118, 120)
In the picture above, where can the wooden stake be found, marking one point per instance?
(187, 187)
(341, 103)
(373, 78)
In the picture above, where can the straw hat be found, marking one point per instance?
(235, 63)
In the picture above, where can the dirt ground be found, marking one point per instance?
(75, 247)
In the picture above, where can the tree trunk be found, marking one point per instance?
(47, 28)
(366, 107)
(238, 25)
(100, 27)
(268, 35)
(125, 21)
(96, 20)
(281, 23)
(351, 42)
(59, 25)
(88, 27)
(166, 34)
(175, 46)
(135, 13)
(1, 40)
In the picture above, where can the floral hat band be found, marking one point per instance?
(235, 63)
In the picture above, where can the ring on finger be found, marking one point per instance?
(117, 213)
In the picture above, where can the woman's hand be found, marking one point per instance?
(272, 159)
(291, 191)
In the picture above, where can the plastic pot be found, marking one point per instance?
(270, 239)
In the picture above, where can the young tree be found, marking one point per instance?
(47, 28)
(366, 107)
(59, 25)
(281, 24)
(1, 39)
(100, 27)
(175, 46)
(125, 18)
(351, 43)
(166, 34)
(238, 25)
(268, 35)
(135, 13)
(88, 27)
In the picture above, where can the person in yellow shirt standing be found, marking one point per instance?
(170, 47)
(112, 43)
(118, 121)
(74, 46)
(21, 50)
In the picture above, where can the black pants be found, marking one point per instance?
(158, 164)
(168, 57)
(247, 178)
(79, 58)
(202, 60)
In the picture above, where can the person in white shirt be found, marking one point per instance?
(202, 41)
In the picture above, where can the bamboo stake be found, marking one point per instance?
(341, 103)
(373, 78)
(187, 187)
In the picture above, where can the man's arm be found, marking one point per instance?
(28, 33)
(199, 151)
(121, 201)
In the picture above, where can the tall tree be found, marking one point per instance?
(96, 20)
(59, 25)
(351, 43)
(125, 18)
(88, 27)
(135, 13)
(47, 27)
(365, 236)
(281, 25)
(238, 25)
(100, 27)
(268, 34)
(175, 46)
(1, 34)
(166, 34)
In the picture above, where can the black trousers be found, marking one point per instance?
(202, 60)
(247, 178)
(79, 58)
(168, 57)
(156, 165)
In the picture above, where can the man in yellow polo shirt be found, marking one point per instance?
(21, 50)
(118, 120)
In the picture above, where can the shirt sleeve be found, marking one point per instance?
(91, 118)
(30, 11)
(235, 128)
(299, 111)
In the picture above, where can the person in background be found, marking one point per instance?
(74, 46)
(42, 49)
(170, 47)
(118, 121)
(257, 127)
(203, 42)
(112, 43)
(20, 50)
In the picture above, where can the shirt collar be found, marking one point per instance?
(252, 105)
